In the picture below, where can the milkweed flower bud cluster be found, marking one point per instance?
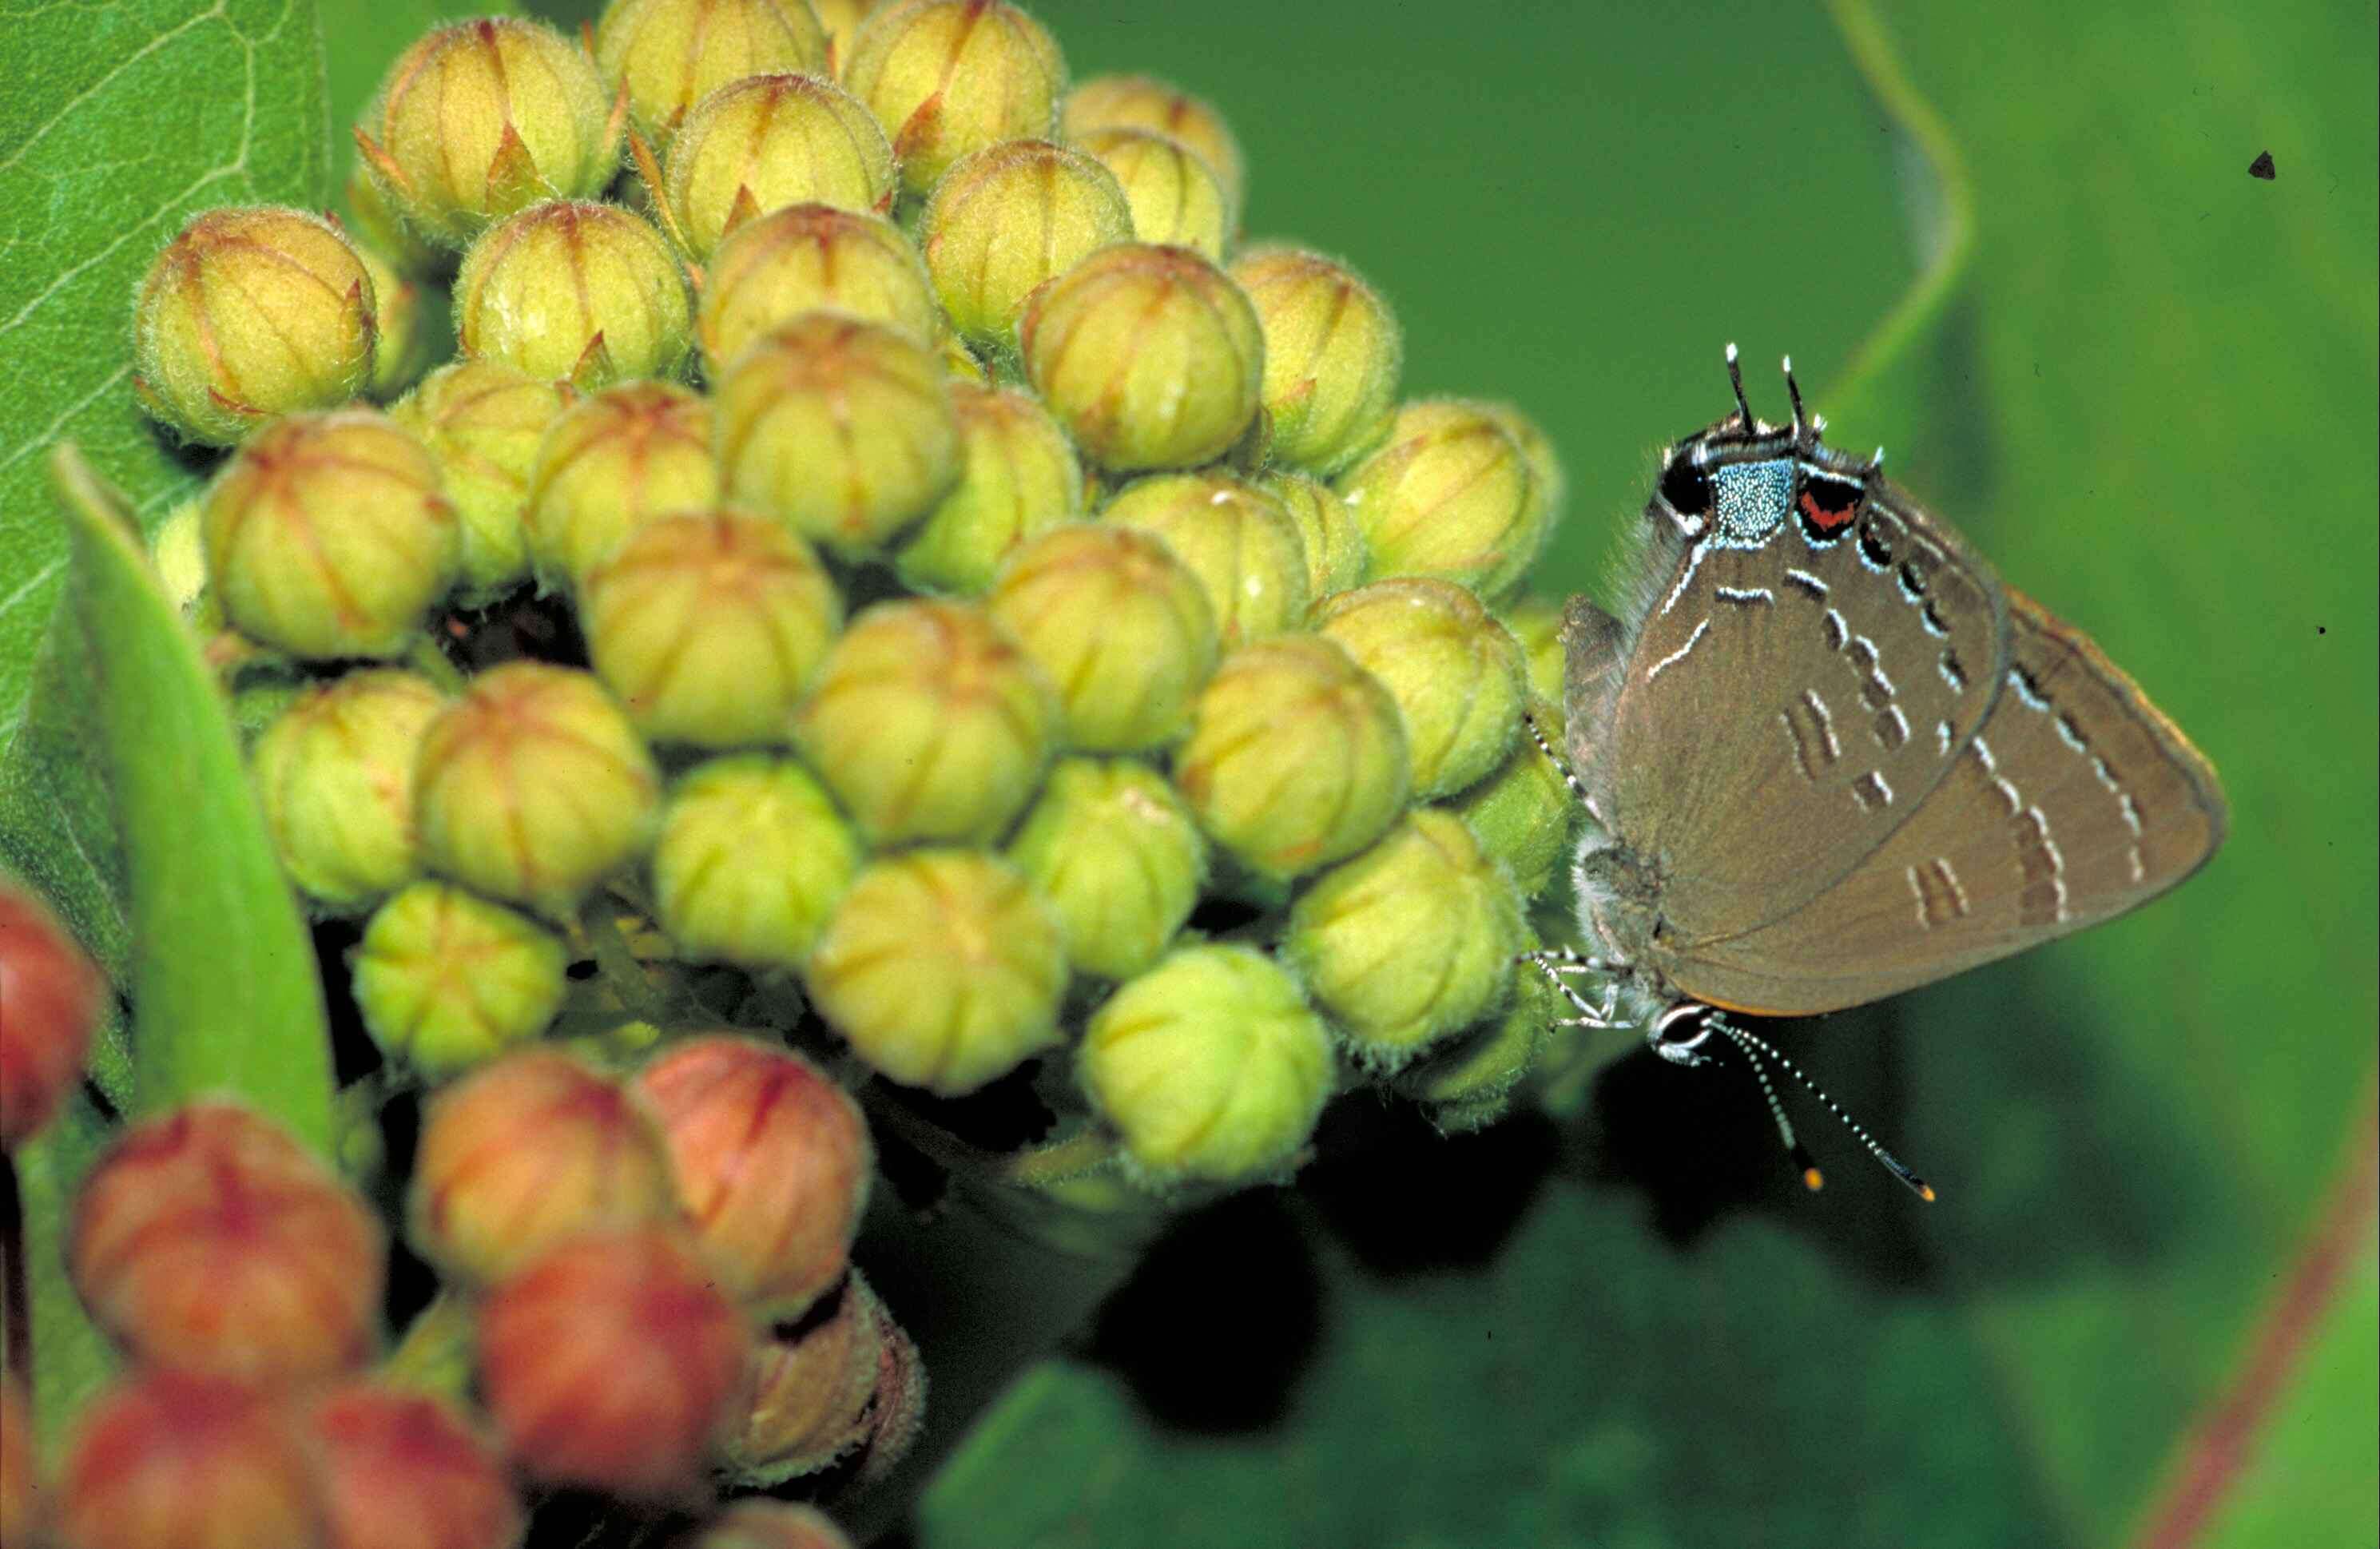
(893, 600)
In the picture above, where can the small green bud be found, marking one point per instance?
(1113, 851)
(709, 625)
(809, 1398)
(1450, 494)
(250, 312)
(377, 225)
(613, 462)
(1333, 352)
(766, 142)
(1175, 197)
(1238, 540)
(806, 258)
(1018, 477)
(402, 337)
(446, 980)
(1121, 627)
(333, 774)
(841, 428)
(1008, 219)
(483, 420)
(1523, 812)
(1468, 1082)
(1296, 756)
(326, 534)
(950, 77)
(1211, 1065)
(1150, 356)
(928, 723)
(482, 118)
(1547, 486)
(942, 969)
(1454, 672)
(178, 550)
(576, 290)
(1536, 622)
(672, 54)
(532, 786)
(1132, 102)
(752, 858)
(1410, 940)
(1335, 556)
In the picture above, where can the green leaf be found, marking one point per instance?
(225, 994)
(119, 121)
(72, 1360)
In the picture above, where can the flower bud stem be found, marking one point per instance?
(623, 971)
(424, 657)
(435, 1352)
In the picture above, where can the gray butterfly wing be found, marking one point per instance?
(2076, 801)
(1786, 705)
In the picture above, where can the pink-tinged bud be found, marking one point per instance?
(810, 1395)
(810, 258)
(672, 54)
(49, 1002)
(527, 1152)
(22, 1505)
(772, 1160)
(950, 77)
(615, 461)
(401, 1470)
(770, 1525)
(613, 1362)
(206, 1239)
(896, 1410)
(174, 1460)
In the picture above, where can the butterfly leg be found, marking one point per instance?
(1577, 787)
(1558, 963)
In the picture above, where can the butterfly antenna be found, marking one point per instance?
(1735, 379)
(1794, 391)
(1812, 1179)
(1753, 1045)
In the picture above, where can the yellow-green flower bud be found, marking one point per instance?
(1133, 102)
(483, 420)
(842, 430)
(1455, 673)
(708, 627)
(250, 312)
(1523, 812)
(613, 463)
(326, 534)
(1237, 539)
(768, 141)
(1175, 197)
(1006, 220)
(1150, 356)
(1121, 627)
(1018, 477)
(1547, 486)
(842, 20)
(672, 54)
(1468, 1082)
(942, 969)
(808, 258)
(1536, 622)
(927, 723)
(482, 118)
(1410, 940)
(1211, 1066)
(1450, 494)
(1335, 557)
(402, 337)
(532, 786)
(446, 980)
(1296, 756)
(334, 774)
(377, 225)
(1113, 851)
(1333, 353)
(752, 859)
(576, 290)
(949, 77)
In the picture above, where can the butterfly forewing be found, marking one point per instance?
(2076, 801)
(1790, 700)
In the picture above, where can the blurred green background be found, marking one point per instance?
(2144, 384)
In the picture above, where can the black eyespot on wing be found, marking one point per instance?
(1686, 487)
(1826, 505)
(1872, 547)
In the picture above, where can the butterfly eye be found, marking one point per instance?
(1686, 487)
